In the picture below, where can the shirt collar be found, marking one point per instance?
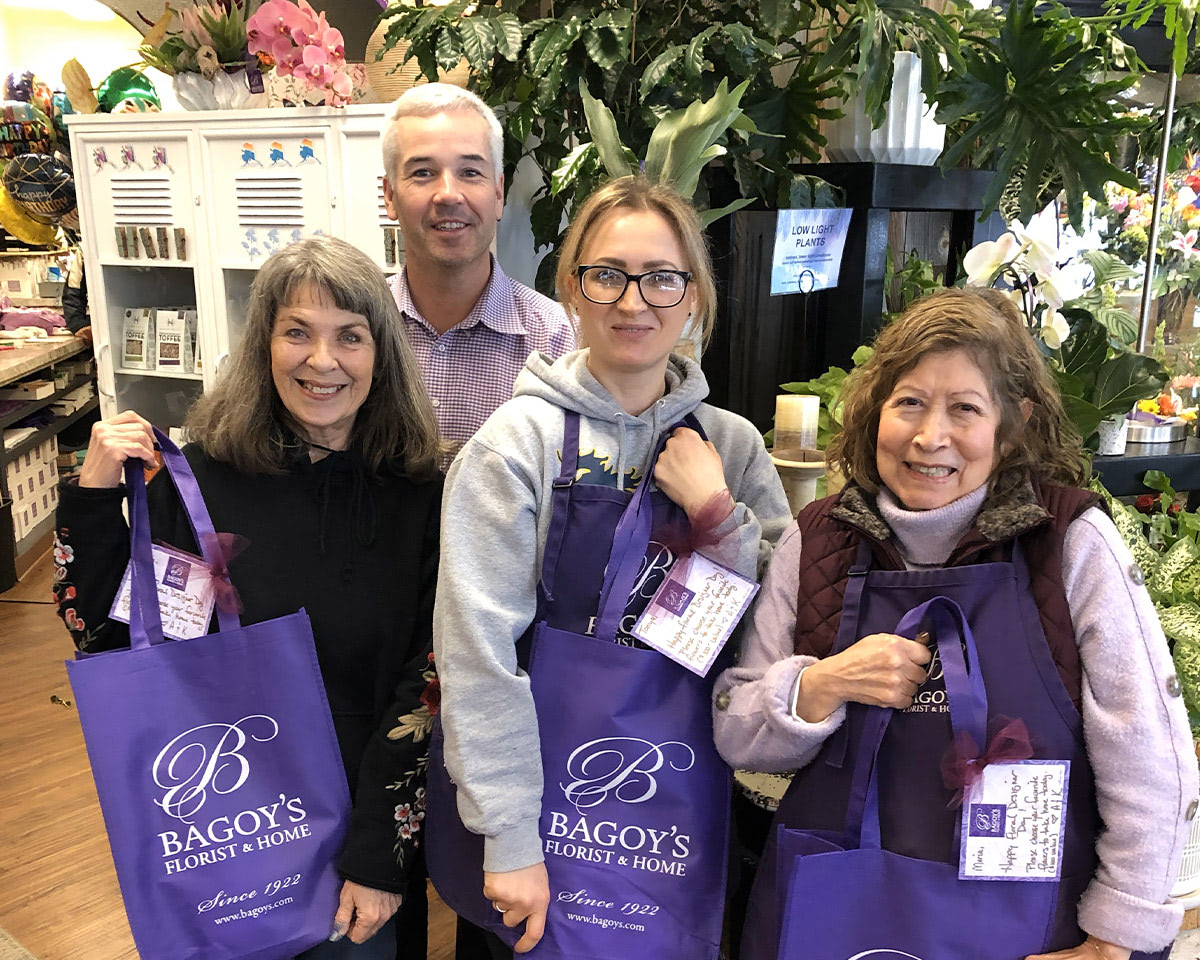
(496, 307)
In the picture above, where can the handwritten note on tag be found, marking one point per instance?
(185, 594)
(693, 613)
(1012, 824)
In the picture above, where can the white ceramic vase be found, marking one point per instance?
(909, 133)
(1113, 432)
(225, 91)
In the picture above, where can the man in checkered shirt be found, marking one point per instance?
(472, 327)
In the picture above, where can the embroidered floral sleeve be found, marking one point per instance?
(409, 789)
(91, 548)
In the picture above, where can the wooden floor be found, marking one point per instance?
(58, 891)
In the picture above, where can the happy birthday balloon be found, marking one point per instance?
(123, 84)
(14, 220)
(23, 129)
(41, 185)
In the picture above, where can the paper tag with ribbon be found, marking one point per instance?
(1012, 824)
(188, 588)
(694, 612)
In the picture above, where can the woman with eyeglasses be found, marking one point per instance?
(539, 505)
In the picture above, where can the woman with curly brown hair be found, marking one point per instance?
(965, 482)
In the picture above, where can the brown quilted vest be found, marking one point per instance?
(1039, 514)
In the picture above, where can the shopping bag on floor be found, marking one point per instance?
(217, 768)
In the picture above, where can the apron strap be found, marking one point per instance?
(839, 740)
(630, 540)
(560, 502)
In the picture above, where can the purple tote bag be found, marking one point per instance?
(217, 768)
(846, 898)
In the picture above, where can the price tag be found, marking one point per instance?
(1012, 822)
(185, 593)
(695, 610)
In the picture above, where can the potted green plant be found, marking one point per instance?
(643, 61)
(1032, 99)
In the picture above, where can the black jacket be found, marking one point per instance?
(360, 556)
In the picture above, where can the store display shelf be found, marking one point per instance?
(143, 262)
(1179, 460)
(52, 429)
(165, 374)
(33, 406)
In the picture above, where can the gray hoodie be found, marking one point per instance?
(495, 514)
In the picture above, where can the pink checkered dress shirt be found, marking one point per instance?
(470, 369)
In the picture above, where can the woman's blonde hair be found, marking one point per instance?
(638, 193)
(989, 328)
(242, 420)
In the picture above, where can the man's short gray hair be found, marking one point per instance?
(433, 98)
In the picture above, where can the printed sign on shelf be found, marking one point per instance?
(808, 250)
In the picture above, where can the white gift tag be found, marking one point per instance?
(695, 610)
(185, 593)
(1013, 820)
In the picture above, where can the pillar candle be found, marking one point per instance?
(795, 424)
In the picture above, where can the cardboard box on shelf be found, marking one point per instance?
(138, 339)
(48, 450)
(27, 390)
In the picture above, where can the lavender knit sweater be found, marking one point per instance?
(1136, 731)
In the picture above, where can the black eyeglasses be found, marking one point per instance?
(659, 288)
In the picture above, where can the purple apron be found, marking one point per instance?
(635, 808)
(1021, 681)
(217, 768)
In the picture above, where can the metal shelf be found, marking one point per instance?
(1179, 460)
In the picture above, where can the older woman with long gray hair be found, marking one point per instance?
(317, 446)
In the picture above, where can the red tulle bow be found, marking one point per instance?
(223, 547)
(962, 764)
(684, 539)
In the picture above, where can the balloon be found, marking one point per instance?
(23, 129)
(14, 221)
(123, 84)
(41, 185)
(61, 107)
(135, 105)
(19, 86)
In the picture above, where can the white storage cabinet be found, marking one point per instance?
(235, 186)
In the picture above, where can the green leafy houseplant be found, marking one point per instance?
(643, 61)
(1165, 542)
(1030, 101)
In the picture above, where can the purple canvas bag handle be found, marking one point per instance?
(145, 622)
(965, 692)
(630, 541)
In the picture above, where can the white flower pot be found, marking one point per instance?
(1113, 432)
(909, 133)
(225, 91)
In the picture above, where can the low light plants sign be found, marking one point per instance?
(808, 249)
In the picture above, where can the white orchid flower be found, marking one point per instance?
(1040, 241)
(1054, 329)
(984, 260)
